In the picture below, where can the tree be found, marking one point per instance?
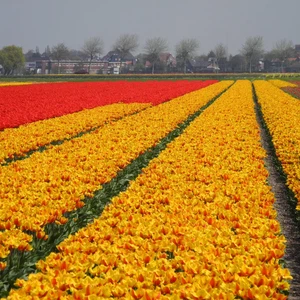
(30, 55)
(11, 58)
(252, 49)
(77, 55)
(220, 53)
(185, 50)
(126, 44)
(59, 52)
(92, 47)
(237, 63)
(283, 49)
(139, 66)
(47, 51)
(154, 47)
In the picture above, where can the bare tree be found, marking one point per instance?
(252, 49)
(154, 47)
(185, 50)
(92, 47)
(126, 43)
(237, 63)
(220, 53)
(59, 52)
(283, 49)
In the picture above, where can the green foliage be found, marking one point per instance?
(12, 59)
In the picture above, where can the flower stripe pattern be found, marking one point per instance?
(13, 239)
(46, 185)
(282, 115)
(14, 83)
(25, 104)
(18, 141)
(294, 91)
(282, 83)
(198, 223)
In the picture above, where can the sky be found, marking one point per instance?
(31, 23)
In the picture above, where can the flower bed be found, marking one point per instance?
(19, 141)
(282, 83)
(14, 83)
(282, 115)
(197, 224)
(39, 190)
(26, 104)
(294, 91)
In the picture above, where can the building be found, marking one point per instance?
(165, 64)
(77, 66)
(115, 60)
(37, 63)
(202, 66)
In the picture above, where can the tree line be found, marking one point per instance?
(12, 58)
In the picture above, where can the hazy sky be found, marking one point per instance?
(31, 23)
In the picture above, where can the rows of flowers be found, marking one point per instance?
(282, 83)
(39, 190)
(19, 141)
(10, 83)
(198, 223)
(282, 115)
(25, 104)
(294, 91)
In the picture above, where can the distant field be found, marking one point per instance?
(221, 76)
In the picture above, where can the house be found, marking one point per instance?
(168, 59)
(293, 65)
(115, 56)
(78, 66)
(202, 66)
(166, 63)
(46, 65)
(115, 59)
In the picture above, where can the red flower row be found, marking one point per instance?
(25, 104)
(294, 91)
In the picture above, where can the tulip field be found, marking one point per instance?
(293, 90)
(144, 190)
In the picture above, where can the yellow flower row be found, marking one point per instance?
(18, 141)
(282, 115)
(13, 239)
(40, 189)
(14, 83)
(282, 83)
(198, 223)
